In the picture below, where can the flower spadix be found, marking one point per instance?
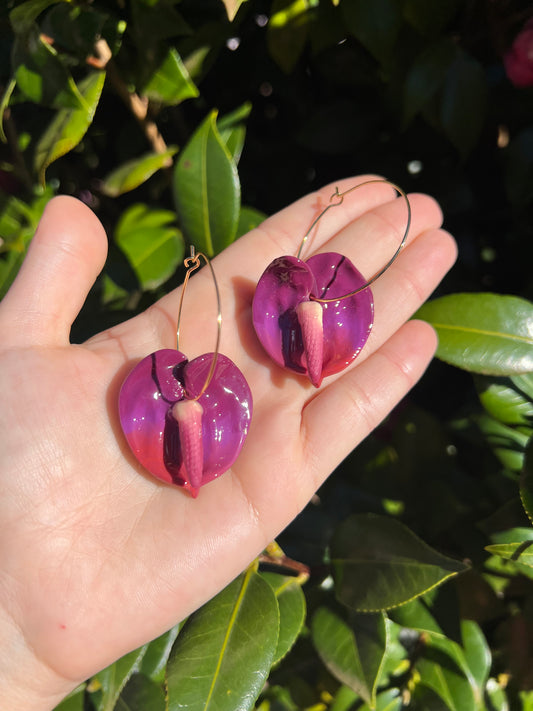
(302, 324)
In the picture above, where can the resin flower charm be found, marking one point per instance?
(179, 437)
(304, 319)
(186, 422)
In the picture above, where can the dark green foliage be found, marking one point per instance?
(408, 581)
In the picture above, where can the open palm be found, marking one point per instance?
(96, 556)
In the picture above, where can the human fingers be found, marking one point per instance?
(283, 232)
(368, 227)
(408, 283)
(65, 256)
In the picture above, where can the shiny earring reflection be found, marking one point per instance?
(186, 421)
(314, 317)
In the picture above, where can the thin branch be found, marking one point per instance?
(138, 105)
(282, 561)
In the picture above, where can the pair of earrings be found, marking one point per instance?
(186, 421)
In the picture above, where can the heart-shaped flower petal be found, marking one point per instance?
(178, 438)
(295, 335)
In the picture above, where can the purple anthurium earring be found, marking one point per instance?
(186, 421)
(313, 317)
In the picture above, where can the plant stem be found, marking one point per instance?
(138, 105)
(275, 556)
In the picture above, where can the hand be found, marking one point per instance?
(96, 556)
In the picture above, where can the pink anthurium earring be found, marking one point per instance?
(314, 317)
(186, 421)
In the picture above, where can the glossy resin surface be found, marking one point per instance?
(346, 323)
(146, 402)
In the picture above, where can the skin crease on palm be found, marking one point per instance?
(96, 556)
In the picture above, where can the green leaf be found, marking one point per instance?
(526, 481)
(151, 242)
(508, 400)
(23, 16)
(113, 678)
(170, 84)
(154, 22)
(135, 172)
(505, 568)
(18, 222)
(423, 698)
(232, 7)
(344, 699)
(223, 654)
(157, 652)
(69, 126)
(507, 443)
(375, 25)
(477, 656)
(521, 552)
(74, 701)
(426, 76)
(249, 219)
(526, 698)
(389, 700)
(287, 31)
(483, 333)
(76, 29)
(278, 698)
(292, 608)
(353, 650)
(207, 190)
(232, 129)
(379, 563)
(497, 696)
(436, 612)
(464, 94)
(141, 694)
(396, 660)
(524, 384)
(509, 535)
(3, 106)
(442, 668)
(41, 75)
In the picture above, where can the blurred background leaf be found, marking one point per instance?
(483, 333)
(207, 190)
(379, 563)
(151, 242)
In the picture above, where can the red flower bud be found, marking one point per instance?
(518, 61)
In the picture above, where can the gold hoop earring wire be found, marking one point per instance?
(340, 197)
(193, 263)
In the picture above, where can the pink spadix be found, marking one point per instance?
(188, 415)
(309, 314)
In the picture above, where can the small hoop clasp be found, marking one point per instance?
(340, 199)
(193, 263)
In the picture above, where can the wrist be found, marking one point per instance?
(27, 683)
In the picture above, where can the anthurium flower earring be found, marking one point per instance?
(186, 421)
(314, 317)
